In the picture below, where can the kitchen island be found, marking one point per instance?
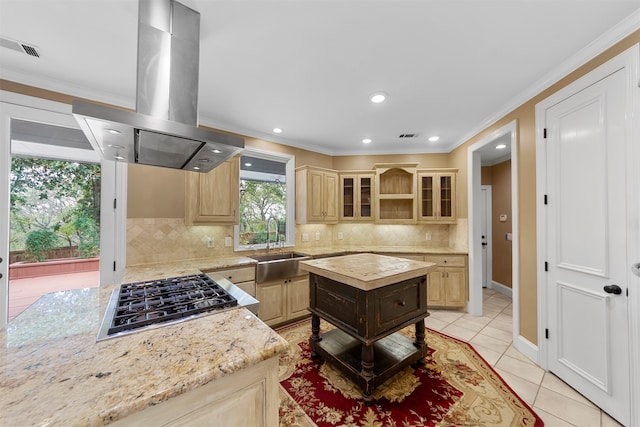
(368, 298)
(53, 372)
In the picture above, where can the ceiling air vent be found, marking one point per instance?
(408, 135)
(19, 46)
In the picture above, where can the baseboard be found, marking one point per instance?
(527, 348)
(499, 287)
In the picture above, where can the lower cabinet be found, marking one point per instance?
(242, 277)
(283, 300)
(245, 398)
(447, 285)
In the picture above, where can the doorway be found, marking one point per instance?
(484, 150)
(486, 239)
(113, 188)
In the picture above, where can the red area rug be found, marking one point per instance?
(455, 388)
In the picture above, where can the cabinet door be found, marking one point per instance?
(272, 302)
(213, 198)
(456, 287)
(348, 197)
(365, 197)
(427, 191)
(297, 297)
(446, 193)
(330, 196)
(315, 195)
(436, 288)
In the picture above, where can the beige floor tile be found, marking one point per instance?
(550, 420)
(513, 352)
(489, 342)
(477, 319)
(467, 323)
(489, 355)
(501, 324)
(567, 409)
(497, 334)
(490, 313)
(446, 315)
(435, 324)
(504, 317)
(522, 369)
(459, 332)
(554, 383)
(525, 389)
(607, 421)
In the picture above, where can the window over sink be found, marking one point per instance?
(266, 200)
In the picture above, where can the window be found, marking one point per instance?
(266, 199)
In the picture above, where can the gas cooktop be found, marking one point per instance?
(138, 305)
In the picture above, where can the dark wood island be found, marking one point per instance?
(368, 298)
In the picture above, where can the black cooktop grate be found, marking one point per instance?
(154, 301)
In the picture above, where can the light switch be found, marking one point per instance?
(317, 235)
(228, 241)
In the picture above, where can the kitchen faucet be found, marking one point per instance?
(268, 230)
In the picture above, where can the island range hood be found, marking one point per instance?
(164, 129)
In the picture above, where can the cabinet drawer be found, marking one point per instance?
(447, 260)
(398, 303)
(236, 275)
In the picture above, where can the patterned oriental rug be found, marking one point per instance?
(455, 388)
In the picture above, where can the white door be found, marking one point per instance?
(485, 234)
(586, 244)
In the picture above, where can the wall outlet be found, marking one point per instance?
(305, 237)
(210, 242)
(427, 235)
(339, 235)
(228, 241)
(317, 235)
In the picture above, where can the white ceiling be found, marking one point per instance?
(309, 66)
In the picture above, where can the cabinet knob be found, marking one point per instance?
(401, 303)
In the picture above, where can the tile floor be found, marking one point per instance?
(491, 335)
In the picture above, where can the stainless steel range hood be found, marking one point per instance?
(164, 129)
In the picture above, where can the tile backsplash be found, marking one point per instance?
(151, 240)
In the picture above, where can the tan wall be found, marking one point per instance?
(501, 204)
(526, 156)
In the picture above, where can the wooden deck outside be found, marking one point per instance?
(24, 292)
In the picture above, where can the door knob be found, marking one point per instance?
(635, 268)
(613, 289)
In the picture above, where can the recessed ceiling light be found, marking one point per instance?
(115, 146)
(434, 138)
(113, 131)
(196, 168)
(378, 97)
(216, 151)
(118, 157)
(248, 164)
(366, 141)
(277, 130)
(500, 146)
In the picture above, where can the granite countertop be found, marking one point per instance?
(53, 372)
(367, 271)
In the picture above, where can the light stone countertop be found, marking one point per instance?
(419, 250)
(367, 271)
(53, 372)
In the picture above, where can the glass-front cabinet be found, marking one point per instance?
(437, 196)
(356, 196)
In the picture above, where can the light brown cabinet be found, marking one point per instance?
(242, 277)
(437, 196)
(283, 300)
(396, 193)
(316, 195)
(213, 198)
(357, 196)
(447, 285)
(245, 398)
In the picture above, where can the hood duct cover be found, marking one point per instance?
(164, 129)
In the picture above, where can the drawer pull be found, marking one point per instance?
(401, 303)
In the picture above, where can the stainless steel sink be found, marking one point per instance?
(278, 266)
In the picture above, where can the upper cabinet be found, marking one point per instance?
(357, 196)
(316, 195)
(437, 195)
(213, 198)
(396, 193)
